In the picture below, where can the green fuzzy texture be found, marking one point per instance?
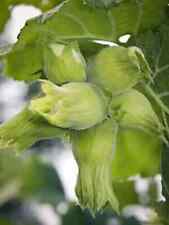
(64, 63)
(117, 69)
(93, 152)
(74, 105)
(133, 109)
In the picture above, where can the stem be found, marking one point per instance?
(164, 109)
(157, 99)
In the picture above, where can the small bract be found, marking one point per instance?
(64, 63)
(117, 69)
(73, 105)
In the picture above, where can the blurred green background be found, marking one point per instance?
(37, 187)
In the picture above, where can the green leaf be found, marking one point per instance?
(6, 4)
(132, 17)
(28, 178)
(126, 193)
(5, 221)
(100, 3)
(155, 45)
(40, 182)
(25, 129)
(25, 61)
(75, 20)
(162, 209)
(44, 5)
(4, 13)
(72, 21)
(165, 171)
(5, 49)
(137, 152)
(76, 216)
(10, 169)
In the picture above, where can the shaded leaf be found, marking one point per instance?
(162, 208)
(132, 17)
(155, 45)
(18, 213)
(28, 179)
(5, 221)
(75, 20)
(137, 152)
(165, 171)
(40, 182)
(76, 216)
(101, 3)
(4, 13)
(126, 193)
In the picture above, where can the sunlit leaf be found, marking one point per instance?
(25, 129)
